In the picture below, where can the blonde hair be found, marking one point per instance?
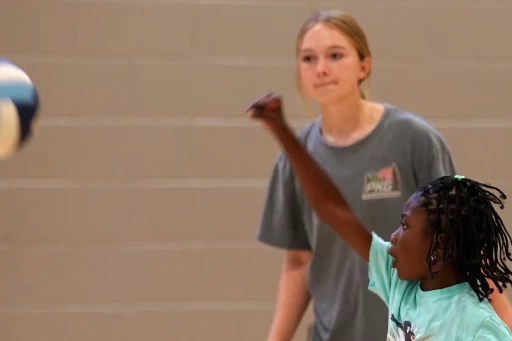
(347, 25)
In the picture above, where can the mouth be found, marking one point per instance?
(325, 84)
(390, 252)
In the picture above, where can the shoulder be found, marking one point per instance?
(305, 135)
(309, 131)
(492, 328)
(480, 319)
(409, 120)
(416, 128)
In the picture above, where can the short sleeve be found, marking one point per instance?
(282, 223)
(492, 330)
(380, 272)
(431, 155)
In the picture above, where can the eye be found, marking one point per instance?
(403, 224)
(307, 58)
(336, 55)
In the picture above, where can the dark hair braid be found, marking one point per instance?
(465, 225)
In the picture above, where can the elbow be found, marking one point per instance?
(296, 260)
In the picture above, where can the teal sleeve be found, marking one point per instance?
(492, 330)
(380, 273)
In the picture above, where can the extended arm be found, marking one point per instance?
(321, 192)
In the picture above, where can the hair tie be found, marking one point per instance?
(459, 177)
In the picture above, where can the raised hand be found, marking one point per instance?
(322, 193)
(267, 109)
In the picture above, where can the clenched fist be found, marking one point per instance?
(268, 110)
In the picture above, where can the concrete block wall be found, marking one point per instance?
(132, 214)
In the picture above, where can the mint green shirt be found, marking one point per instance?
(449, 314)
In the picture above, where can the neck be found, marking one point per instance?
(342, 117)
(349, 120)
(443, 280)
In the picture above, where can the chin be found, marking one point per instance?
(327, 99)
(405, 277)
(400, 276)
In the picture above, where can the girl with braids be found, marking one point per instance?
(391, 152)
(434, 273)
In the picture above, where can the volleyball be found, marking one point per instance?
(19, 106)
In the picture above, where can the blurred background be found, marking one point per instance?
(132, 214)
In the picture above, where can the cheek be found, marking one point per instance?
(419, 253)
(348, 69)
(306, 74)
(307, 79)
(415, 259)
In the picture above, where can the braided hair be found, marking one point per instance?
(464, 224)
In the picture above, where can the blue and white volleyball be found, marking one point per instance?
(19, 106)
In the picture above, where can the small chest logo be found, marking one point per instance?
(384, 183)
(405, 331)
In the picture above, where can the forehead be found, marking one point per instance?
(321, 36)
(413, 209)
(411, 203)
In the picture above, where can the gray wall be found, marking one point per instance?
(118, 224)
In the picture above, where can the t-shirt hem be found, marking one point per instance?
(284, 246)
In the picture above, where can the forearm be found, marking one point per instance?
(320, 190)
(292, 300)
(501, 305)
(322, 194)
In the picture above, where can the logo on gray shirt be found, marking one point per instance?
(384, 183)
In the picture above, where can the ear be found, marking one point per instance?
(434, 257)
(447, 252)
(366, 66)
(439, 251)
(440, 240)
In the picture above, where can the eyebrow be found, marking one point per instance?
(330, 47)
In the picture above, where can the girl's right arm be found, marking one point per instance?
(322, 194)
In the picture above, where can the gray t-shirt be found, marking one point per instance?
(376, 175)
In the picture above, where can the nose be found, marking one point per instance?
(394, 238)
(322, 68)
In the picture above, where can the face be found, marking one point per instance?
(410, 243)
(329, 66)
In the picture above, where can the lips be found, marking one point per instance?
(391, 253)
(325, 84)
